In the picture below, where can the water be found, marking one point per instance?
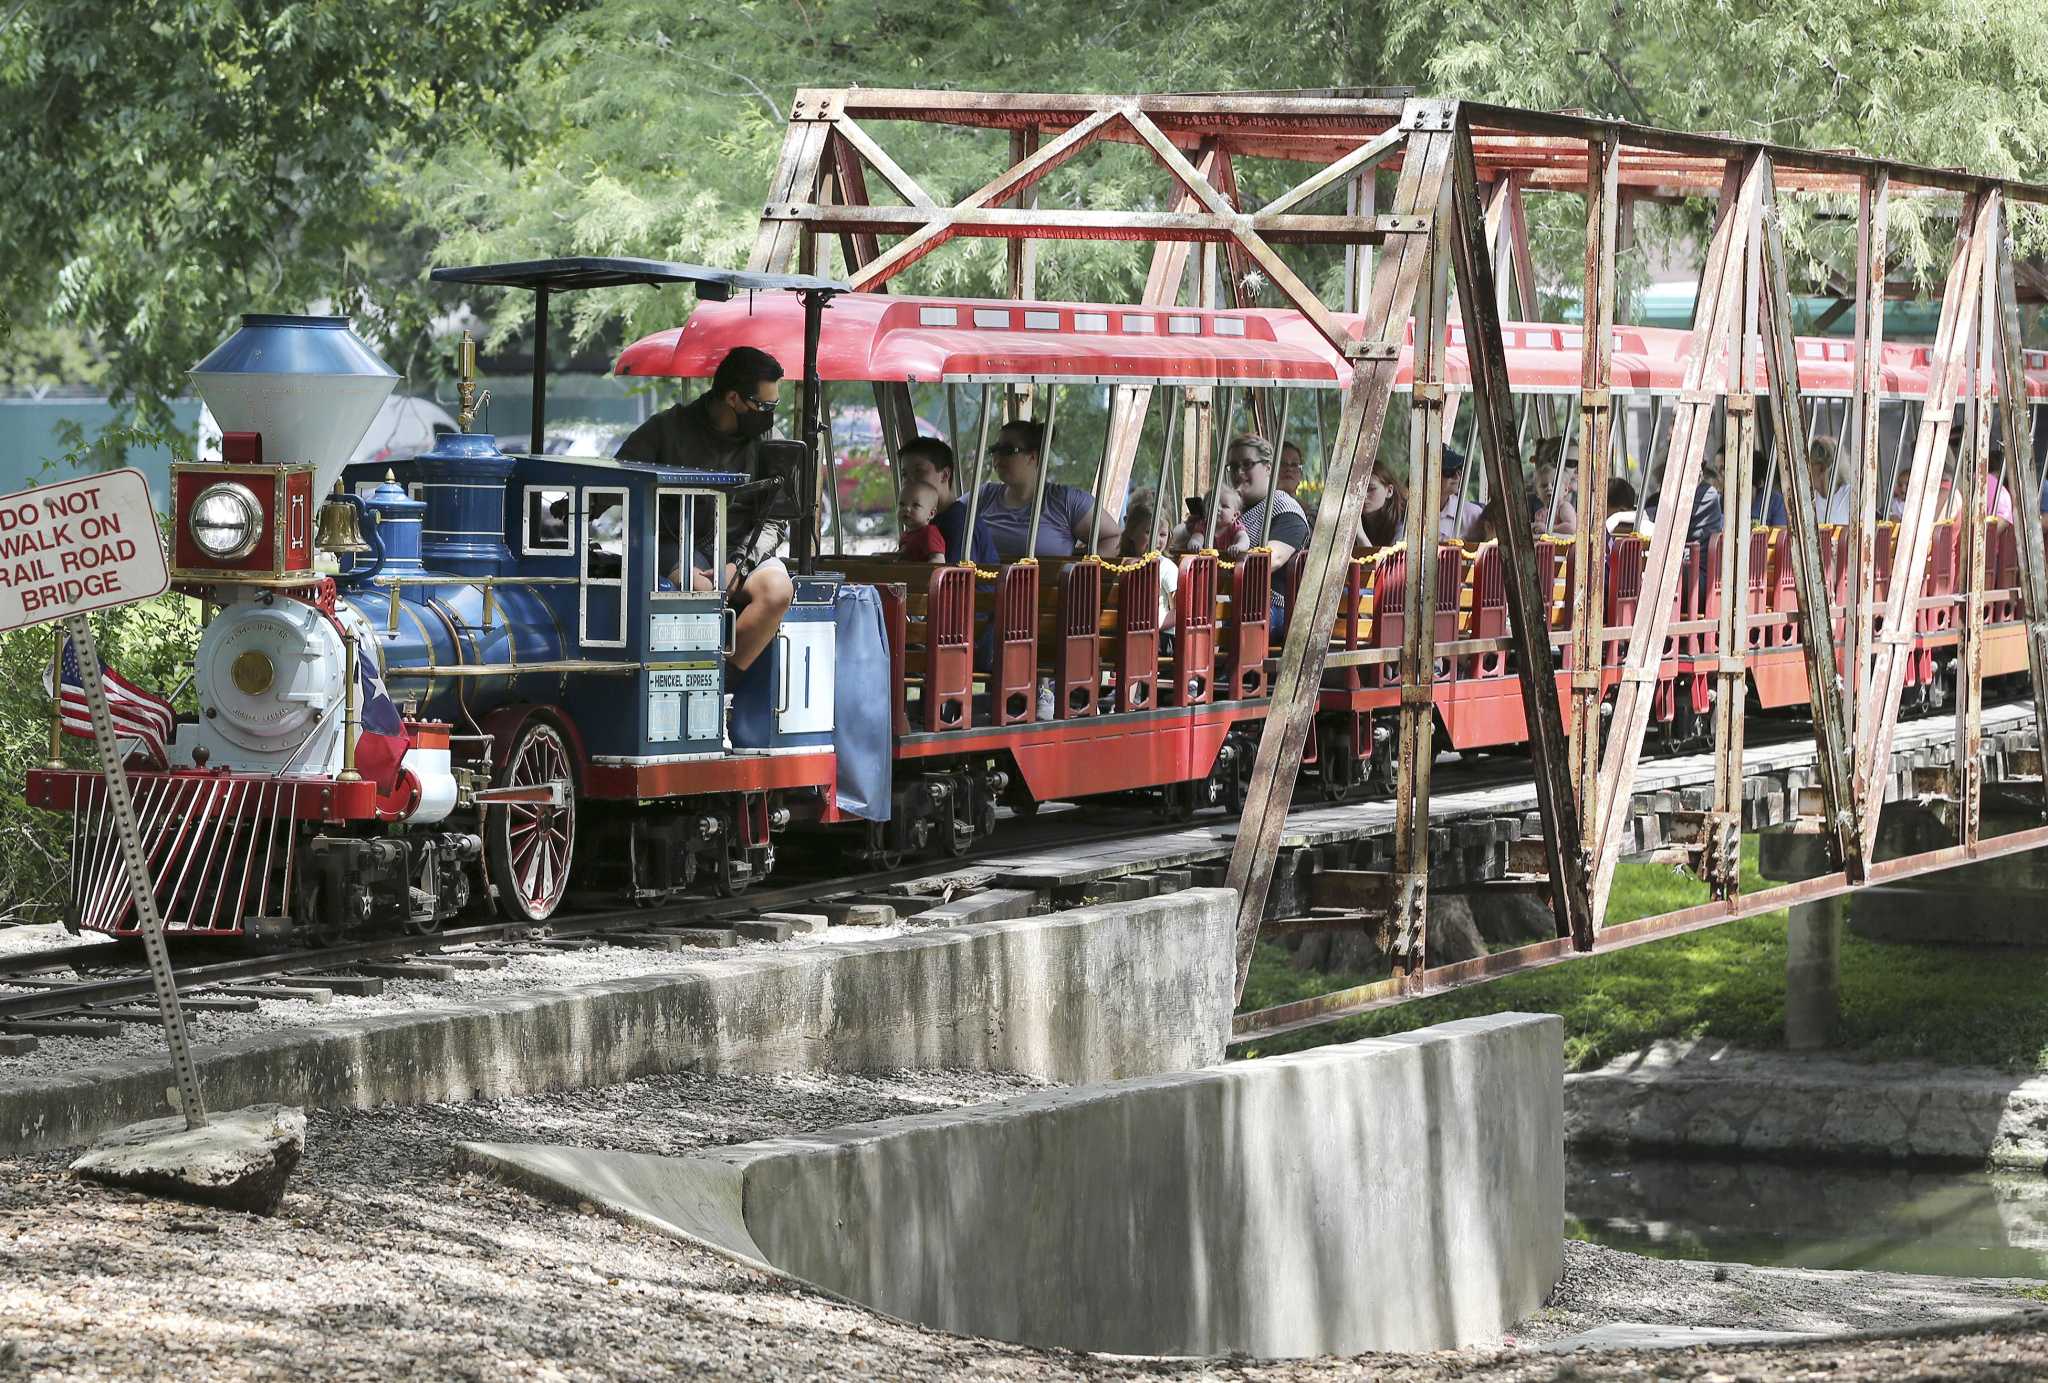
(1959, 1224)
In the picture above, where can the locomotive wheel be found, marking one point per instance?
(1337, 768)
(1177, 801)
(529, 849)
(725, 878)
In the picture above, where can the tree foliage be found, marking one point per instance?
(174, 162)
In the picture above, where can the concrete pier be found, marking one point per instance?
(1403, 1193)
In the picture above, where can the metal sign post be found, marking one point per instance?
(123, 807)
(85, 545)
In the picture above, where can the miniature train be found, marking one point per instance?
(497, 697)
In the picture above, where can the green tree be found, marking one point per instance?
(174, 162)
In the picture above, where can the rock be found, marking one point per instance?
(805, 923)
(1510, 917)
(766, 929)
(240, 1160)
(1453, 935)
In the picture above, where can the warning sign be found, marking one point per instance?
(77, 546)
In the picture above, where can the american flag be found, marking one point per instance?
(138, 715)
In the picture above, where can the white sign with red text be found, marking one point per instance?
(76, 546)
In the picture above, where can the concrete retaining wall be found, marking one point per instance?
(1403, 1193)
(1711, 1099)
(1089, 995)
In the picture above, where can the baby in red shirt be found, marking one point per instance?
(916, 506)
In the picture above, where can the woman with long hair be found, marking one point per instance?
(1383, 520)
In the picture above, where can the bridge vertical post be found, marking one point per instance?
(1719, 860)
(1971, 512)
(1374, 362)
(1589, 545)
(1803, 521)
(2024, 483)
(1895, 648)
(1714, 317)
(1872, 224)
(1415, 741)
(1493, 419)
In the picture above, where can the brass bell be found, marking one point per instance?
(338, 530)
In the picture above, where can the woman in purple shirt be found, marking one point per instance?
(1004, 512)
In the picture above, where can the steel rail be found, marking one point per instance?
(1618, 936)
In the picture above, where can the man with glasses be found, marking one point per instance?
(719, 431)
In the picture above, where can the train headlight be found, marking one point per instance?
(226, 521)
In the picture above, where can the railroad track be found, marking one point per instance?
(90, 1001)
(97, 1003)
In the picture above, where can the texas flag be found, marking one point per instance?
(380, 738)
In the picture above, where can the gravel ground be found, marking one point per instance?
(382, 1264)
(55, 1056)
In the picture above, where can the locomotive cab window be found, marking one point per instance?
(548, 527)
(607, 529)
(688, 535)
(604, 535)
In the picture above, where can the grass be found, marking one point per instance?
(1955, 1005)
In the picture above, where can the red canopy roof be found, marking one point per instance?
(880, 337)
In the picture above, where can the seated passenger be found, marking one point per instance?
(1551, 486)
(1288, 478)
(1458, 515)
(1997, 497)
(1006, 506)
(719, 431)
(1383, 517)
(1195, 536)
(1835, 502)
(1489, 526)
(1767, 500)
(929, 461)
(919, 538)
(1271, 516)
(1706, 519)
(1621, 510)
(1145, 531)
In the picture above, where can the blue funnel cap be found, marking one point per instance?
(308, 385)
(273, 343)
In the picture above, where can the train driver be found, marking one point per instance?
(719, 431)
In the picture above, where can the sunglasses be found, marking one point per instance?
(761, 405)
(1243, 467)
(1008, 449)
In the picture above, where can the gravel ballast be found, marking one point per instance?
(382, 1263)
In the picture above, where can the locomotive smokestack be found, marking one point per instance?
(310, 385)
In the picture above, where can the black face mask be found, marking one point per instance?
(754, 423)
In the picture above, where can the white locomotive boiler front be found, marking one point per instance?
(271, 679)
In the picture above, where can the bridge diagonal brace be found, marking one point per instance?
(1715, 317)
(1019, 178)
(1396, 277)
(1878, 718)
(1824, 684)
(1528, 612)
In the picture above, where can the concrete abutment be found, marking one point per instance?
(1400, 1193)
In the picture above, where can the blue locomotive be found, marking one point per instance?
(473, 673)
